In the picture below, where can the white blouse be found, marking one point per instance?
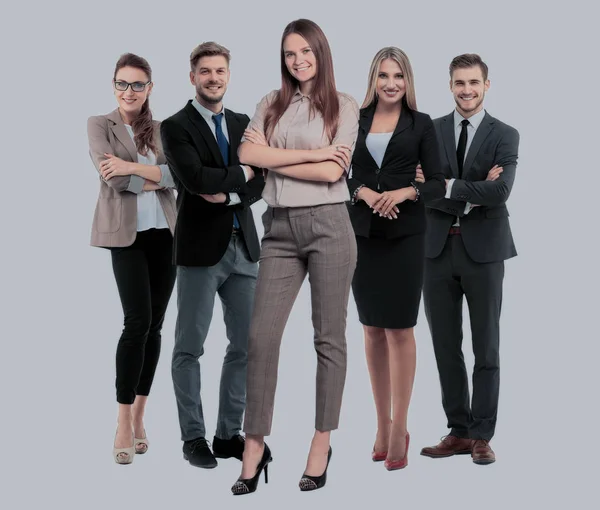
(150, 213)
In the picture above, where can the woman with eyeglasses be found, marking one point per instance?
(135, 220)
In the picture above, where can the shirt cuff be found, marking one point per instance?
(245, 172)
(449, 188)
(468, 207)
(166, 179)
(136, 184)
(234, 199)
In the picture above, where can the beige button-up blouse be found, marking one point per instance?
(296, 131)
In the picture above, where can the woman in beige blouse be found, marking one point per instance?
(303, 136)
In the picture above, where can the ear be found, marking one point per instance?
(450, 83)
(487, 85)
(192, 78)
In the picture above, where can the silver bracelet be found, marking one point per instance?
(417, 190)
(355, 194)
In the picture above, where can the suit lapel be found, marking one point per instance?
(204, 131)
(404, 122)
(448, 137)
(364, 126)
(234, 130)
(483, 131)
(121, 134)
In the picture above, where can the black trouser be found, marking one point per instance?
(447, 278)
(145, 278)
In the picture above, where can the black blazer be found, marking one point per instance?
(203, 230)
(413, 141)
(485, 230)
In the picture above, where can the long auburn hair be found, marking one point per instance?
(410, 98)
(324, 98)
(143, 128)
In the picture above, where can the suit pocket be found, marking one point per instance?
(267, 220)
(497, 212)
(108, 215)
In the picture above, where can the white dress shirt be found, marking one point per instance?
(150, 213)
(474, 122)
(207, 114)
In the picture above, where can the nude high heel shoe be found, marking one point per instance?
(141, 444)
(124, 455)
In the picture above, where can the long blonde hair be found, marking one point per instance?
(396, 54)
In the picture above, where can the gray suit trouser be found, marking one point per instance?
(233, 278)
(319, 241)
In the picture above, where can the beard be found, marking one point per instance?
(207, 98)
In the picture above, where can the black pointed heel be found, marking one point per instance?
(248, 485)
(311, 483)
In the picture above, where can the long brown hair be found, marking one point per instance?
(324, 98)
(397, 55)
(143, 128)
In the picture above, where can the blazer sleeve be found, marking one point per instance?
(492, 193)
(185, 163)
(429, 156)
(97, 131)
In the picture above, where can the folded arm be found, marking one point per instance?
(185, 163)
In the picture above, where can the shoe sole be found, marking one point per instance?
(185, 457)
(443, 456)
(483, 462)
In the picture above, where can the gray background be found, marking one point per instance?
(61, 315)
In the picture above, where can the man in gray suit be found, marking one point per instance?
(467, 241)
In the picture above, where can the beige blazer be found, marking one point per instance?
(115, 217)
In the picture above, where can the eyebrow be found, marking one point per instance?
(301, 49)
(210, 68)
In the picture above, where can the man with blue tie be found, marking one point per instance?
(216, 251)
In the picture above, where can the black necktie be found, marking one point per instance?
(462, 145)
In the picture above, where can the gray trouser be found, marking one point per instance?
(318, 240)
(234, 279)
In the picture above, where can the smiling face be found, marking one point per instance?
(468, 88)
(300, 60)
(390, 84)
(210, 79)
(131, 102)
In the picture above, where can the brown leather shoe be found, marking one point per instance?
(482, 452)
(449, 446)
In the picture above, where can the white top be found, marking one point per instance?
(377, 144)
(150, 213)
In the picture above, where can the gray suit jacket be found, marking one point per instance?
(485, 230)
(115, 217)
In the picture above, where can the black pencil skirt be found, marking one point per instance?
(388, 280)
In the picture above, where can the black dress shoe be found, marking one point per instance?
(249, 485)
(198, 454)
(311, 483)
(227, 448)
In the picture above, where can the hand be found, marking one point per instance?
(255, 136)
(494, 173)
(217, 198)
(371, 197)
(249, 172)
(339, 153)
(419, 175)
(113, 166)
(388, 200)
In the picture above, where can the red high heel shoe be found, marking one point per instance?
(378, 456)
(392, 465)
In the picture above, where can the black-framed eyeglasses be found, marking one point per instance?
(136, 86)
